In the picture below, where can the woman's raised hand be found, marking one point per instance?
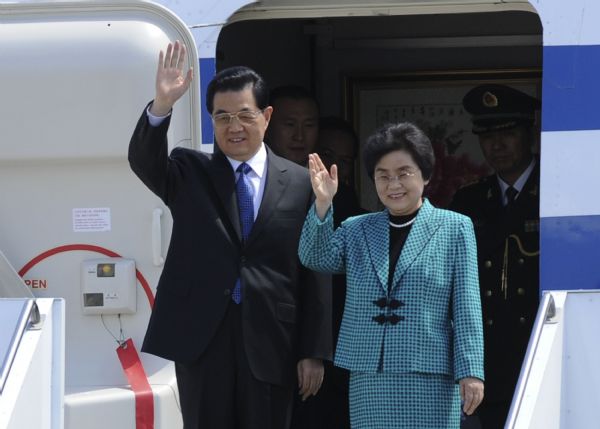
(324, 183)
(171, 79)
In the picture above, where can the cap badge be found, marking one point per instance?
(489, 99)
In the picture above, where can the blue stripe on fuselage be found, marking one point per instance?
(207, 72)
(571, 88)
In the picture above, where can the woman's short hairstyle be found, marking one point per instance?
(237, 79)
(402, 136)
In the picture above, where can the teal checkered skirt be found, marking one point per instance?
(403, 401)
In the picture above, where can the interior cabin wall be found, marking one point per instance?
(320, 53)
(279, 50)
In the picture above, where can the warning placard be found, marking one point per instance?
(91, 219)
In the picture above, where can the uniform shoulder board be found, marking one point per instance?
(488, 179)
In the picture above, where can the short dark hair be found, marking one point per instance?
(335, 123)
(295, 92)
(402, 136)
(236, 79)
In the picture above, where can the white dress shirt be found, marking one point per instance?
(519, 184)
(258, 175)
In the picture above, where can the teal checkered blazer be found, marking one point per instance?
(435, 277)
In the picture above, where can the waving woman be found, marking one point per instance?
(411, 333)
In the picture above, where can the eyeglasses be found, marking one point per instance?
(245, 117)
(402, 178)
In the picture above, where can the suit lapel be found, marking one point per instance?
(276, 182)
(418, 237)
(531, 188)
(529, 193)
(223, 181)
(377, 236)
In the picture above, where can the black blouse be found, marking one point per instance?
(398, 236)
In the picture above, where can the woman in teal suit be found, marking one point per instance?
(411, 333)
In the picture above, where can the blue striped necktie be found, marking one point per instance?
(245, 193)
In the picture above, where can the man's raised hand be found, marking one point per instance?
(171, 79)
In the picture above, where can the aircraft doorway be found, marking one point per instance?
(372, 70)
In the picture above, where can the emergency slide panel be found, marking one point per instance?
(76, 77)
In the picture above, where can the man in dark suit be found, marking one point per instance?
(294, 126)
(337, 144)
(504, 208)
(242, 320)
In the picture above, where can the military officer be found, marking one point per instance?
(504, 208)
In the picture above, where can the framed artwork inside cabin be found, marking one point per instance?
(433, 101)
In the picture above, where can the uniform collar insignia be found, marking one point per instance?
(534, 191)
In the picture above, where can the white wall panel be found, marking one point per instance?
(569, 23)
(570, 176)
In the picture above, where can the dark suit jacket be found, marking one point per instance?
(286, 309)
(509, 240)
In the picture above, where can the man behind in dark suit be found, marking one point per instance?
(294, 126)
(244, 323)
(337, 144)
(504, 208)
